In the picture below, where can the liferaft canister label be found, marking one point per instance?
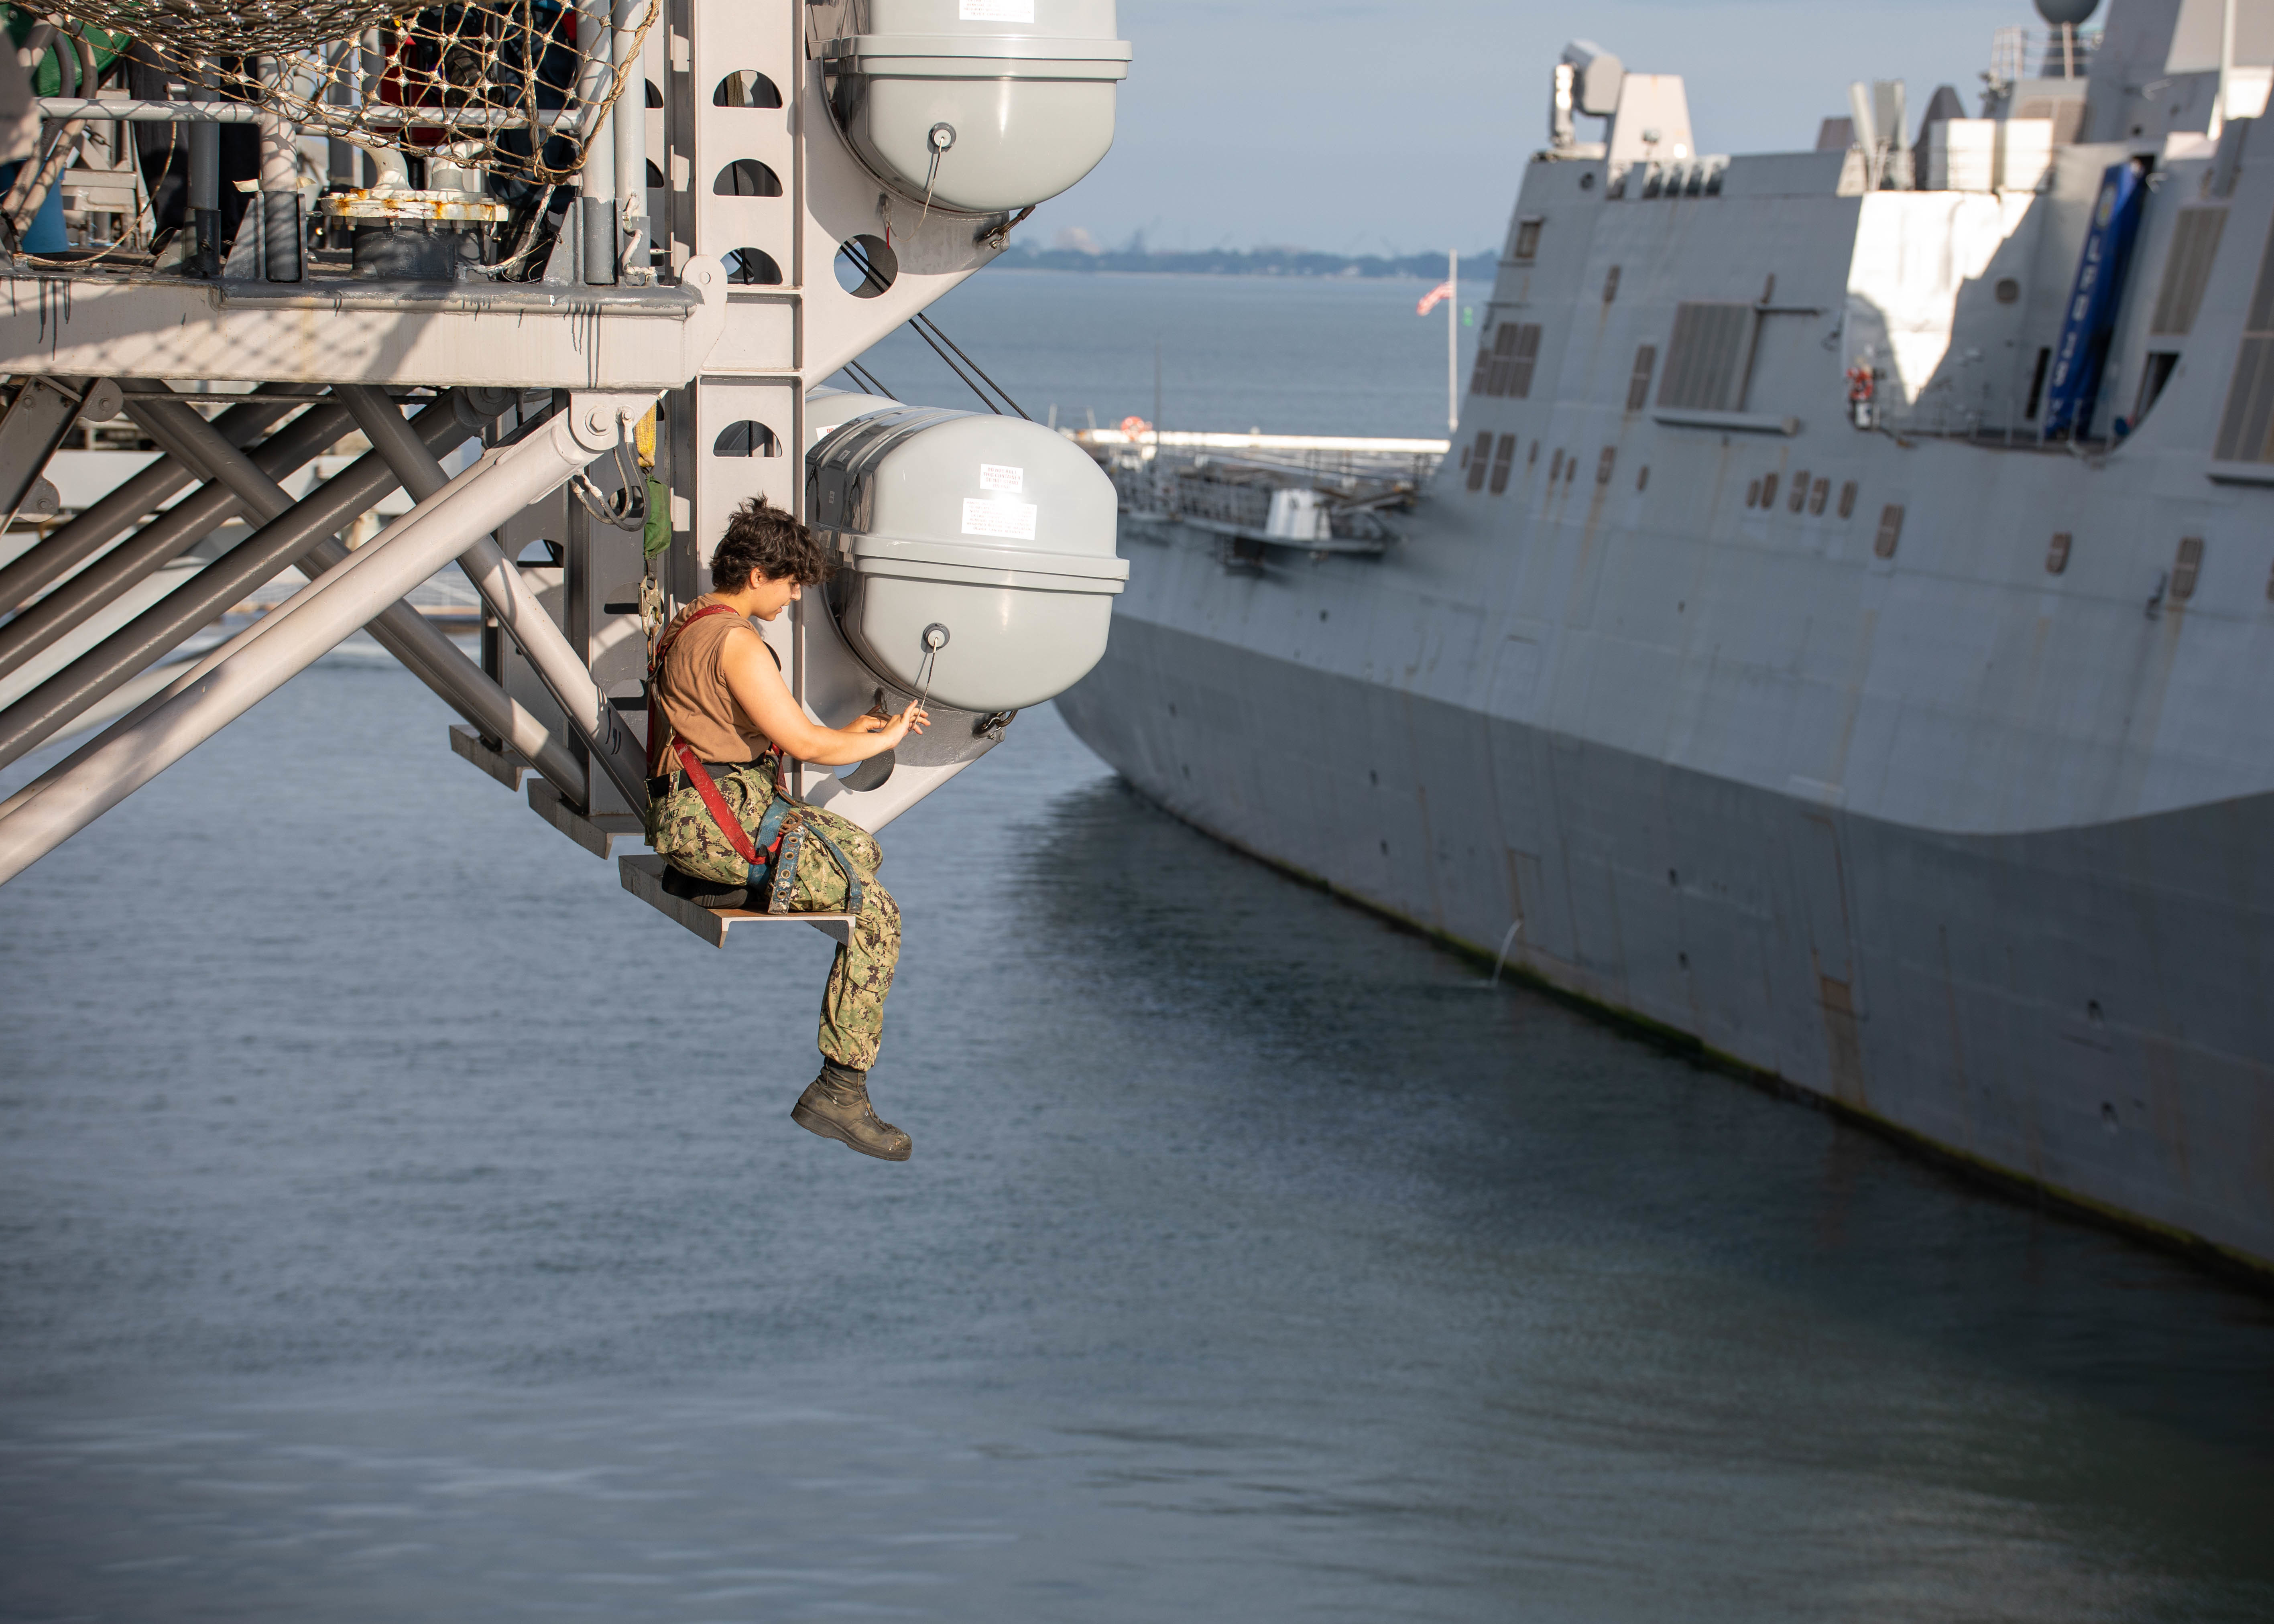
(1005, 520)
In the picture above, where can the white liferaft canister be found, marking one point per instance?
(979, 105)
(998, 531)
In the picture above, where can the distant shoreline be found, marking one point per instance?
(1285, 264)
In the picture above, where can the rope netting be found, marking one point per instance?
(498, 84)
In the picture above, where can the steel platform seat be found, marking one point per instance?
(644, 878)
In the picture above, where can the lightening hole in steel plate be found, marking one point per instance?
(746, 87)
(747, 438)
(865, 266)
(751, 267)
(747, 177)
(869, 774)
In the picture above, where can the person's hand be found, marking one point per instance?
(910, 720)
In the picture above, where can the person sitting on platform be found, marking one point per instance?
(721, 719)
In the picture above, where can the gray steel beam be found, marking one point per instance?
(171, 419)
(553, 657)
(630, 115)
(34, 425)
(173, 532)
(432, 657)
(596, 181)
(399, 629)
(425, 651)
(25, 577)
(163, 627)
(128, 755)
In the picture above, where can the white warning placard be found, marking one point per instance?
(995, 11)
(1005, 520)
(996, 477)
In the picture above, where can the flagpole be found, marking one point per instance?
(1453, 343)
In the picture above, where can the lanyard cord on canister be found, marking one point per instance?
(935, 639)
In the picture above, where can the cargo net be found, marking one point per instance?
(503, 86)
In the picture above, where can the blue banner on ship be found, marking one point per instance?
(2073, 383)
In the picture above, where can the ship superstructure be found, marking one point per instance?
(1842, 629)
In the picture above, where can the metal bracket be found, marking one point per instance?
(597, 832)
(502, 765)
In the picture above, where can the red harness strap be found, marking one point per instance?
(721, 813)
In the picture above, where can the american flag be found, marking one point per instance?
(1429, 301)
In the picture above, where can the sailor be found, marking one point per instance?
(721, 718)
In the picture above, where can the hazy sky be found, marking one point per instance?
(1351, 126)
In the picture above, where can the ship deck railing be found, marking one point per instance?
(1338, 456)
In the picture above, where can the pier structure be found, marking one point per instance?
(577, 284)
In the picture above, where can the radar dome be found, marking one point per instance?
(2072, 12)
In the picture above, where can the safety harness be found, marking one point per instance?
(781, 835)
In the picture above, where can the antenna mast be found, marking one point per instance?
(1453, 341)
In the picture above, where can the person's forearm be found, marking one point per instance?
(835, 746)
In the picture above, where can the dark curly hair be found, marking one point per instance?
(762, 539)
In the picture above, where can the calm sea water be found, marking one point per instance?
(1286, 355)
(398, 1221)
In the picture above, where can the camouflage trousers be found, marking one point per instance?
(683, 831)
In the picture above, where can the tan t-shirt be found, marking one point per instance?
(692, 698)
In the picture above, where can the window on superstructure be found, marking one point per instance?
(2057, 552)
(2245, 433)
(1768, 490)
(1503, 457)
(2194, 246)
(1891, 531)
(2187, 569)
(1817, 497)
(1706, 365)
(1848, 499)
(1638, 386)
(1753, 494)
(1799, 491)
(1514, 355)
(1605, 464)
(1525, 247)
(1610, 284)
(1476, 456)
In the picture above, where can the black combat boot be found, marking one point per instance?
(836, 1106)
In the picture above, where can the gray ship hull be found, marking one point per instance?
(2082, 1009)
(1788, 650)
